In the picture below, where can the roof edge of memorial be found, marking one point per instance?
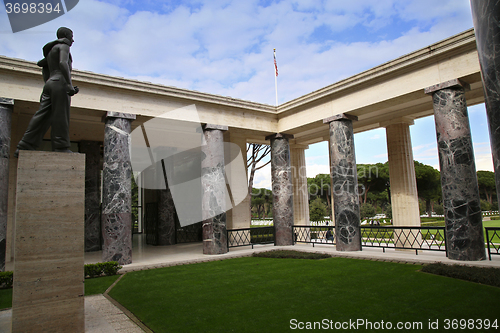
(434, 50)
(31, 68)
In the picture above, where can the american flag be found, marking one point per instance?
(275, 64)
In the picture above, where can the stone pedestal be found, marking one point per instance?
(281, 174)
(117, 189)
(299, 180)
(462, 208)
(92, 151)
(404, 196)
(486, 17)
(6, 107)
(213, 184)
(49, 243)
(344, 182)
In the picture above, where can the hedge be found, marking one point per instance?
(91, 270)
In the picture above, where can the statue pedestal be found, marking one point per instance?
(49, 243)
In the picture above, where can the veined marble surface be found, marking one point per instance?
(486, 17)
(117, 192)
(213, 184)
(464, 228)
(345, 186)
(281, 174)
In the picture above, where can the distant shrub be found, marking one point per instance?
(484, 275)
(110, 268)
(438, 209)
(290, 254)
(92, 270)
(6, 279)
(107, 268)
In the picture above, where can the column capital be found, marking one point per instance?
(399, 120)
(111, 114)
(447, 84)
(298, 146)
(279, 136)
(209, 127)
(342, 116)
(6, 101)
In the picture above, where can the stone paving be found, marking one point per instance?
(101, 316)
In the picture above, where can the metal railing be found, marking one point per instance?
(313, 234)
(250, 236)
(408, 238)
(493, 240)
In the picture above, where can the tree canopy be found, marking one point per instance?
(487, 186)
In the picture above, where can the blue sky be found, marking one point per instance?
(225, 47)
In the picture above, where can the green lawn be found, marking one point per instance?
(92, 287)
(5, 298)
(264, 295)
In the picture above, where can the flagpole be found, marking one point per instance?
(276, 77)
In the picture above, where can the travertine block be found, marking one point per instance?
(49, 243)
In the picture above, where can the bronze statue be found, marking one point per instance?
(56, 96)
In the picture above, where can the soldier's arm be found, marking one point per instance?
(45, 69)
(64, 67)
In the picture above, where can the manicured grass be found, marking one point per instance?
(263, 295)
(431, 219)
(5, 298)
(92, 287)
(99, 285)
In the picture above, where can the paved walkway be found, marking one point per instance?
(102, 316)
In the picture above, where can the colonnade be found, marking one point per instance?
(289, 183)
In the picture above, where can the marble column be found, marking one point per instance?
(299, 180)
(92, 151)
(239, 216)
(345, 183)
(486, 18)
(6, 107)
(213, 185)
(117, 189)
(404, 196)
(462, 209)
(281, 175)
(166, 206)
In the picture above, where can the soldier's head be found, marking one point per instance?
(64, 32)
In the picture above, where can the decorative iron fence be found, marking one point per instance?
(493, 240)
(313, 234)
(409, 238)
(250, 236)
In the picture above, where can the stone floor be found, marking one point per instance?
(103, 316)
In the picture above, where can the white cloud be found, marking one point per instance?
(383, 156)
(314, 169)
(262, 178)
(225, 47)
(484, 162)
